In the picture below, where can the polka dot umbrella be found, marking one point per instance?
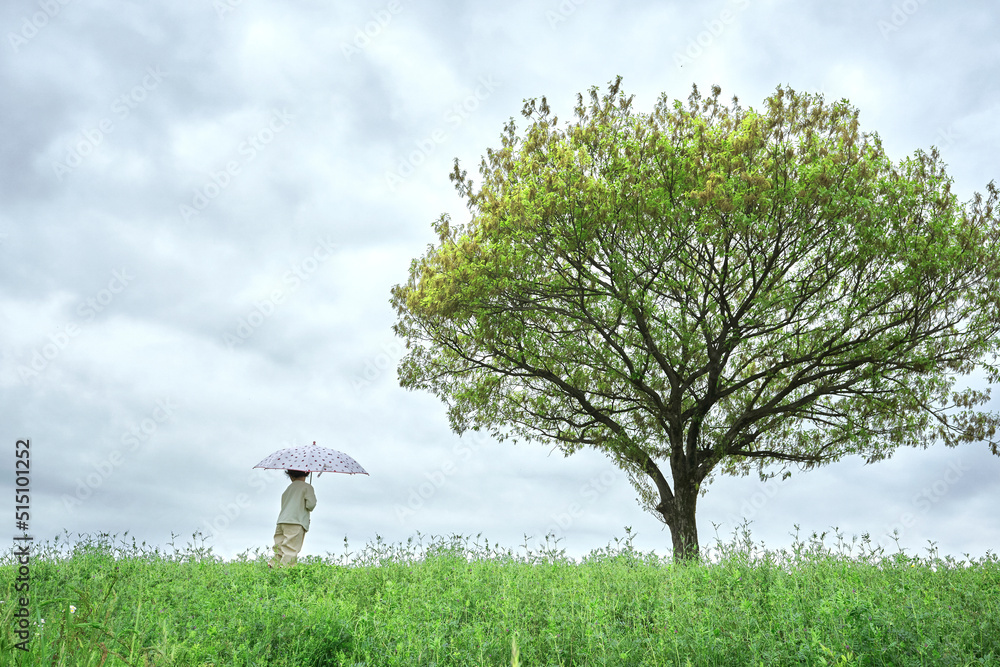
(311, 458)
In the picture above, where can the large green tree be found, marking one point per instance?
(706, 289)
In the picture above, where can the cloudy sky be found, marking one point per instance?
(204, 205)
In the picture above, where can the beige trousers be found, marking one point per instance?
(287, 543)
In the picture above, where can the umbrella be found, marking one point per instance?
(311, 458)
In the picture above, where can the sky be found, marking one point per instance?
(204, 206)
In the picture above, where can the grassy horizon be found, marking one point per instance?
(458, 600)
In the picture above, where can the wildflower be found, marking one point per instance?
(72, 609)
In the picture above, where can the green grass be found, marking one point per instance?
(462, 601)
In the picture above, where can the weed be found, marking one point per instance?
(105, 601)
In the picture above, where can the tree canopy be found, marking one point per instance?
(708, 288)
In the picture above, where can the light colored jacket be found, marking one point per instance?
(297, 502)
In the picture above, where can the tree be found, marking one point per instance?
(711, 288)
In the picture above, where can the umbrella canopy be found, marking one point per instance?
(311, 458)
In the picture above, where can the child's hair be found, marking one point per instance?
(295, 474)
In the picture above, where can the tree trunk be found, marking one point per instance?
(679, 515)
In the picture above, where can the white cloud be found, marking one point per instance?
(319, 364)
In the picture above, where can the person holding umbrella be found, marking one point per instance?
(298, 500)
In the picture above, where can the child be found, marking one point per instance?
(297, 502)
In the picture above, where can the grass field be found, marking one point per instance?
(459, 600)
